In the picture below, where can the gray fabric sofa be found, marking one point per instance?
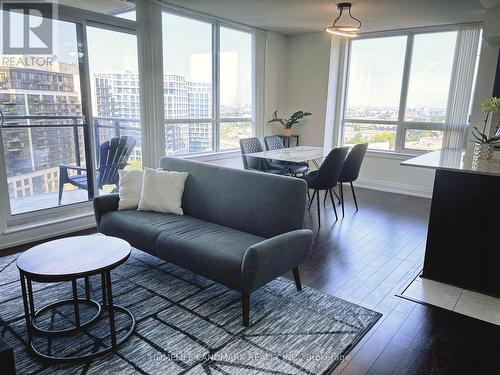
(239, 228)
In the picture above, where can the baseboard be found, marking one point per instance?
(393, 187)
(8, 240)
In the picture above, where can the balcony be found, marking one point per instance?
(42, 143)
(47, 200)
(35, 147)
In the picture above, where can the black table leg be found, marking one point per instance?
(87, 288)
(111, 310)
(31, 314)
(75, 303)
(26, 308)
(103, 289)
(30, 298)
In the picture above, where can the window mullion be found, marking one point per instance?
(400, 133)
(345, 94)
(216, 86)
(86, 93)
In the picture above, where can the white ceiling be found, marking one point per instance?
(304, 16)
(99, 6)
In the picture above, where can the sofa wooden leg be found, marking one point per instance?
(245, 303)
(296, 276)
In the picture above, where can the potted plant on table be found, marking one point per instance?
(288, 123)
(484, 144)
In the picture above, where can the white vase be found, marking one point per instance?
(483, 151)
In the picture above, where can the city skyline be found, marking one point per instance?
(33, 155)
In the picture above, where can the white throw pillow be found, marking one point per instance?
(162, 191)
(130, 189)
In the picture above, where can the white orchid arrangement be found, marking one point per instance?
(489, 106)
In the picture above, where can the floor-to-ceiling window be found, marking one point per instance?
(187, 85)
(57, 104)
(397, 90)
(207, 85)
(44, 124)
(235, 104)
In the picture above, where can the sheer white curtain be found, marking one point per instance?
(457, 113)
(149, 43)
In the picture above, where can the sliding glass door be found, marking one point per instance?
(60, 110)
(114, 82)
(45, 130)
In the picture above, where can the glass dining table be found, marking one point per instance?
(288, 156)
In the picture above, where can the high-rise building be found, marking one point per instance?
(118, 97)
(34, 154)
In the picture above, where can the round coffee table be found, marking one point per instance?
(70, 259)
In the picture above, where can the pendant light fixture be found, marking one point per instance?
(345, 24)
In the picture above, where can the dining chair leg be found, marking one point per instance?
(317, 202)
(296, 277)
(326, 195)
(338, 198)
(333, 204)
(354, 196)
(312, 198)
(308, 195)
(342, 197)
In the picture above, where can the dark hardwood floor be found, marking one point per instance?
(370, 256)
(367, 258)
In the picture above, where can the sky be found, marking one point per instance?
(187, 45)
(187, 49)
(376, 70)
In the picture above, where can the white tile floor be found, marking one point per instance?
(456, 299)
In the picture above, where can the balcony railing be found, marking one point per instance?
(33, 159)
(33, 155)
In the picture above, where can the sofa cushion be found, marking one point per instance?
(141, 228)
(162, 191)
(130, 189)
(208, 249)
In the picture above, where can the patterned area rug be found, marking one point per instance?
(187, 324)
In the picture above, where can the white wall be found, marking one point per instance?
(307, 84)
(276, 78)
(492, 26)
(384, 172)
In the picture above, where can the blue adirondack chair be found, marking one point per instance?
(113, 156)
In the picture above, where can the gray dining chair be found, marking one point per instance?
(251, 145)
(350, 170)
(326, 177)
